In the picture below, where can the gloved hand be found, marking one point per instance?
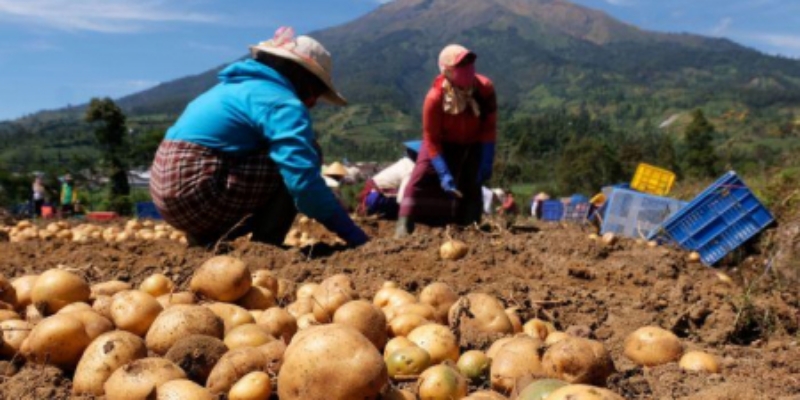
(341, 224)
(487, 161)
(445, 178)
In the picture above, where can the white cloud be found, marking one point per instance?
(722, 26)
(110, 16)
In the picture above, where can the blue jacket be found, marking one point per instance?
(254, 107)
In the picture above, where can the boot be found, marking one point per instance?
(405, 226)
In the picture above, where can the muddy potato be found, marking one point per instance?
(331, 294)
(197, 355)
(102, 306)
(56, 288)
(453, 250)
(442, 382)
(355, 362)
(109, 288)
(247, 335)
(397, 344)
(264, 278)
(420, 309)
(306, 290)
(538, 329)
(6, 315)
(253, 386)
(392, 297)
(697, 361)
(496, 346)
(407, 362)
(94, 324)
(274, 352)
(539, 390)
(157, 285)
(474, 365)
(278, 323)
(139, 379)
(306, 321)
(233, 366)
(23, 286)
(180, 321)
(583, 392)
(301, 306)
(516, 358)
(555, 337)
(103, 356)
(13, 333)
(230, 314)
(182, 389)
(578, 360)
(485, 395)
(650, 346)
(285, 288)
(439, 296)
(222, 278)
(168, 300)
(8, 294)
(402, 325)
(366, 318)
(486, 314)
(513, 317)
(438, 341)
(257, 298)
(58, 340)
(134, 311)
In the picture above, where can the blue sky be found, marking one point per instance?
(59, 52)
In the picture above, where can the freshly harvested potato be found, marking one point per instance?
(485, 395)
(58, 340)
(278, 323)
(486, 314)
(168, 300)
(306, 291)
(94, 323)
(301, 306)
(13, 333)
(264, 278)
(407, 362)
(253, 386)
(397, 344)
(109, 288)
(182, 389)
(513, 317)
(439, 296)
(157, 285)
(453, 250)
(365, 318)
(394, 393)
(75, 307)
(539, 390)
(134, 311)
(23, 286)
(331, 294)
(33, 315)
(247, 335)
(274, 352)
(474, 365)
(402, 325)
(306, 321)
(8, 293)
(197, 355)
(695, 361)
(320, 353)
(6, 315)
(438, 341)
(139, 379)
(392, 297)
(231, 315)
(257, 298)
(442, 382)
(538, 329)
(423, 310)
(56, 288)
(555, 337)
(518, 357)
(578, 360)
(222, 278)
(583, 392)
(102, 306)
(180, 321)
(651, 346)
(233, 366)
(103, 356)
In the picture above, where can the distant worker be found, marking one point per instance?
(459, 121)
(334, 176)
(242, 158)
(381, 193)
(38, 195)
(69, 196)
(509, 205)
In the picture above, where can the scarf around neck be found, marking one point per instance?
(457, 100)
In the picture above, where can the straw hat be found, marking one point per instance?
(307, 52)
(335, 170)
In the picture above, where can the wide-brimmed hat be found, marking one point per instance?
(335, 170)
(454, 54)
(307, 52)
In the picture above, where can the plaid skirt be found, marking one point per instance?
(205, 192)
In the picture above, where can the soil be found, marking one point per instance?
(748, 316)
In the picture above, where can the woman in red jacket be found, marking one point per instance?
(459, 122)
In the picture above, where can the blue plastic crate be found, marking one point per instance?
(634, 214)
(577, 212)
(147, 210)
(717, 221)
(552, 210)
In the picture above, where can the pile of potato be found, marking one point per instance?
(62, 230)
(228, 335)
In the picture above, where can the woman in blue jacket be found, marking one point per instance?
(243, 158)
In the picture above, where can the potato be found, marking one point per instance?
(578, 360)
(695, 361)
(8, 294)
(253, 386)
(75, 307)
(58, 340)
(109, 288)
(408, 362)
(233, 366)
(94, 324)
(392, 297)
(474, 365)
(222, 278)
(33, 315)
(651, 346)
(274, 352)
(538, 329)
(331, 294)
(278, 323)
(441, 382)
(197, 355)
(331, 362)
(182, 389)
(516, 358)
(539, 390)
(486, 314)
(168, 300)
(285, 288)
(14, 332)
(555, 337)
(365, 318)
(56, 288)
(102, 306)
(513, 317)
(394, 393)
(23, 286)
(453, 250)
(103, 356)
(6, 315)
(485, 395)
(157, 285)
(247, 335)
(402, 325)
(134, 311)
(257, 298)
(438, 341)
(230, 314)
(180, 321)
(265, 279)
(423, 310)
(306, 321)
(397, 344)
(139, 379)
(306, 291)
(583, 392)
(301, 306)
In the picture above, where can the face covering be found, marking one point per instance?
(464, 75)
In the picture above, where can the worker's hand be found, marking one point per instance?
(344, 227)
(450, 187)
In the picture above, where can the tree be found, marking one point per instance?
(666, 157)
(586, 165)
(111, 132)
(700, 160)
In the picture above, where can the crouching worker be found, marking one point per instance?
(242, 157)
(383, 193)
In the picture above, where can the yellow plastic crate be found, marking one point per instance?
(654, 180)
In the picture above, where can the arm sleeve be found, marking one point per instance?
(489, 121)
(288, 130)
(432, 123)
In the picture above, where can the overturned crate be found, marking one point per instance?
(634, 214)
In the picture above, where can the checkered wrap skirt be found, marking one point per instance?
(205, 192)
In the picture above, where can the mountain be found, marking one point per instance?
(543, 55)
